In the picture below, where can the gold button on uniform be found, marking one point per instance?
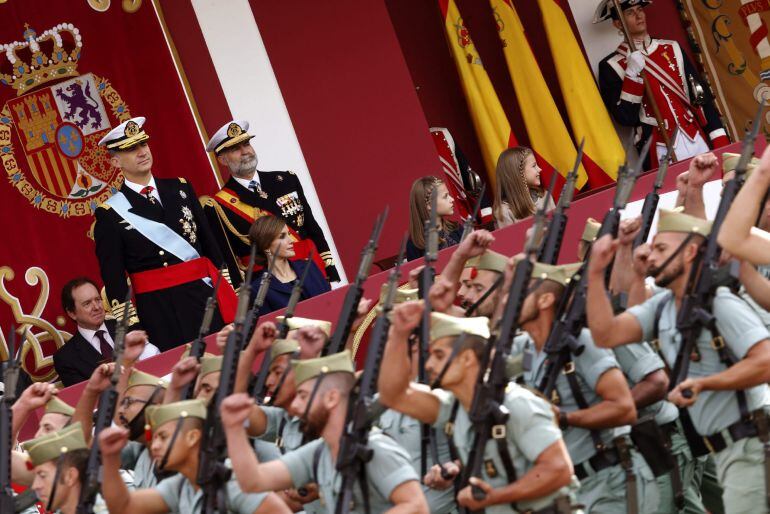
(161, 252)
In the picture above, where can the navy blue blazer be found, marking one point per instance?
(279, 292)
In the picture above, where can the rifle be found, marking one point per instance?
(427, 276)
(283, 330)
(549, 253)
(354, 453)
(487, 412)
(706, 275)
(10, 380)
(470, 222)
(562, 342)
(250, 323)
(355, 290)
(651, 200)
(648, 94)
(198, 347)
(105, 412)
(213, 474)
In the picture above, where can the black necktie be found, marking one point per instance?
(104, 346)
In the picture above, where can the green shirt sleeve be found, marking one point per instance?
(240, 502)
(300, 463)
(531, 422)
(446, 400)
(170, 490)
(390, 467)
(637, 360)
(274, 416)
(594, 361)
(737, 323)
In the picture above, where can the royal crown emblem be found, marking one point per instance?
(57, 117)
(132, 129)
(234, 130)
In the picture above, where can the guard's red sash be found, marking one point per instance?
(188, 271)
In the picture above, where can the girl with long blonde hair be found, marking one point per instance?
(419, 212)
(518, 189)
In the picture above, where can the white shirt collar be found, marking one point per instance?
(245, 182)
(90, 336)
(138, 187)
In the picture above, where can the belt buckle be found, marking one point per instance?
(498, 432)
(708, 445)
(718, 343)
(449, 428)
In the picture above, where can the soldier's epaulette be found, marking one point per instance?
(206, 201)
(182, 180)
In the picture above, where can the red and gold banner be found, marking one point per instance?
(734, 49)
(69, 72)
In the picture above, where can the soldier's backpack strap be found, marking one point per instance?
(580, 399)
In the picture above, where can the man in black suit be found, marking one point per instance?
(250, 194)
(93, 341)
(153, 232)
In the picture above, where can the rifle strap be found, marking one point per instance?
(580, 399)
(313, 394)
(57, 474)
(279, 442)
(495, 285)
(501, 438)
(449, 430)
(177, 429)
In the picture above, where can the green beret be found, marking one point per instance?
(307, 369)
(730, 161)
(590, 231)
(140, 378)
(57, 406)
(444, 325)
(294, 323)
(561, 274)
(210, 365)
(158, 415)
(49, 447)
(491, 261)
(282, 347)
(677, 221)
(403, 294)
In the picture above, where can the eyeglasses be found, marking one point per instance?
(128, 401)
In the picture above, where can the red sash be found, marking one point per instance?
(188, 271)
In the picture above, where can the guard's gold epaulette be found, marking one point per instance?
(206, 201)
(182, 180)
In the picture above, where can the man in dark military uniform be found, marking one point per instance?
(250, 194)
(153, 232)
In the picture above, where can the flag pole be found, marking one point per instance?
(647, 88)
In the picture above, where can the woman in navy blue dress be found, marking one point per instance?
(271, 236)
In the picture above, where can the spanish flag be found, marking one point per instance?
(586, 110)
(547, 132)
(489, 120)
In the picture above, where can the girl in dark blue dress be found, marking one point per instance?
(271, 236)
(449, 232)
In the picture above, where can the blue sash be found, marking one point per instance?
(158, 233)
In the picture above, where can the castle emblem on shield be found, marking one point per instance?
(49, 133)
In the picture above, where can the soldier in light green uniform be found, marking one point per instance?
(59, 458)
(142, 391)
(179, 493)
(324, 386)
(542, 468)
(728, 430)
(609, 407)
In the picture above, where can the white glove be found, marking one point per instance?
(634, 64)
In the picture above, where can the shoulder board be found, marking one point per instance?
(206, 201)
(290, 172)
(182, 180)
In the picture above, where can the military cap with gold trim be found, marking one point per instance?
(294, 323)
(308, 369)
(230, 134)
(50, 446)
(158, 415)
(403, 294)
(58, 406)
(606, 8)
(444, 325)
(126, 135)
(730, 161)
(591, 230)
(282, 347)
(677, 221)
(211, 365)
(139, 378)
(560, 274)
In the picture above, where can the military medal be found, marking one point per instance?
(183, 194)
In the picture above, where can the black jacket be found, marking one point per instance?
(77, 359)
